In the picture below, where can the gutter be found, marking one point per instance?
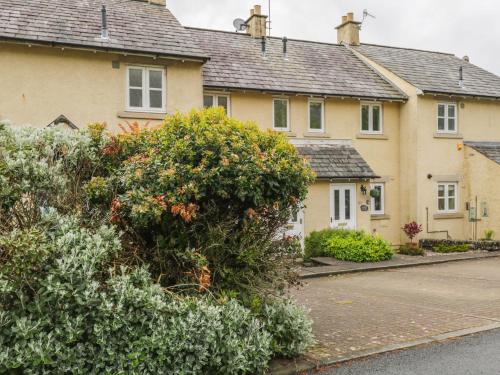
(457, 95)
(301, 93)
(103, 49)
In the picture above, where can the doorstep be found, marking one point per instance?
(332, 266)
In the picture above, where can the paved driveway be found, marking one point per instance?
(362, 313)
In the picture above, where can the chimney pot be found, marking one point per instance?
(258, 10)
(344, 19)
(350, 16)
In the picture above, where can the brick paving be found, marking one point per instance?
(358, 313)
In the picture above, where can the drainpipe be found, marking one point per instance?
(448, 237)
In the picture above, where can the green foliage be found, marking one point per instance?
(315, 242)
(489, 234)
(75, 316)
(451, 248)
(357, 246)
(411, 250)
(289, 325)
(354, 246)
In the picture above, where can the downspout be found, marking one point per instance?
(448, 237)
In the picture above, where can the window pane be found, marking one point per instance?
(451, 190)
(336, 204)
(451, 204)
(222, 101)
(441, 124)
(280, 114)
(348, 204)
(315, 111)
(135, 97)
(441, 110)
(441, 204)
(376, 118)
(451, 124)
(135, 77)
(155, 99)
(441, 190)
(365, 118)
(155, 79)
(208, 101)
(451, 111)
(378, 200)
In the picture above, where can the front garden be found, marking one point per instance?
(154, 251)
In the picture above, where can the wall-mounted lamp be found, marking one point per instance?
(429, 176)
(363, 189)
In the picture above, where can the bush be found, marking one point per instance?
(489, 234)
(74, 316)
(290, 327)
(412, 230)
(315, 242)
(411, 250)
(357, 246)
(451, 248)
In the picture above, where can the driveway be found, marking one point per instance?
(360, 314)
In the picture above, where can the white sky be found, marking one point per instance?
(462, 27)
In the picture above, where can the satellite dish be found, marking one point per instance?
(239, 24)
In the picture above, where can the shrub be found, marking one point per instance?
(357, 246)
(411, 250)
(489, 234)
(315, 242)
(290, 327)
(451, 248)
(74, 316)
(412, 230)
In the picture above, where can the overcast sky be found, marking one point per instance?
(462, 27)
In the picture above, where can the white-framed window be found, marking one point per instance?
(378, 202)
(146, 89)
(447, 197)
(447, 118)
(371, 118)
(316, 115)
(281, 114)
(217, 100)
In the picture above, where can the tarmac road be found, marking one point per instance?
(477, 354)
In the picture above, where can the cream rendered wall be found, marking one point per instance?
(40, 83)
(342, 121)
(482, 176)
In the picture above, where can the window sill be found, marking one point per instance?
(371, 136)
(448, 216)
(380, 217)
(141, 115)
(316, 135)
(448, 136)
(288, 133)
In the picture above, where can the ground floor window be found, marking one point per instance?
(216, 100)
(447, 197)
(377, 193)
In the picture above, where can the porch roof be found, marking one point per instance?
(336, 161)
(489, 149)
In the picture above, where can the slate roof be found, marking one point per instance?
(236, 62)
(336, 161)
(434, 72)
(134, 26)
(489, 149)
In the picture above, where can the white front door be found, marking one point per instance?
(343, 206)
(295, 226)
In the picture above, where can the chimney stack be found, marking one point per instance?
(257, 23)
(348, 30)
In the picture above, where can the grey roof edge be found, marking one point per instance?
(101, 48)
(306, 93)
(480, 145)
(408, 49)
(459, 94)
(355, 53)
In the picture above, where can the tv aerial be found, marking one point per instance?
(366, 14)
(239, 24)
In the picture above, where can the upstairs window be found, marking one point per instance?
(447, 118)
(316, 115)
(216, 100)
(145, 89)
(447, 197)
(281, 118)
(371, 118)
(378, 200)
